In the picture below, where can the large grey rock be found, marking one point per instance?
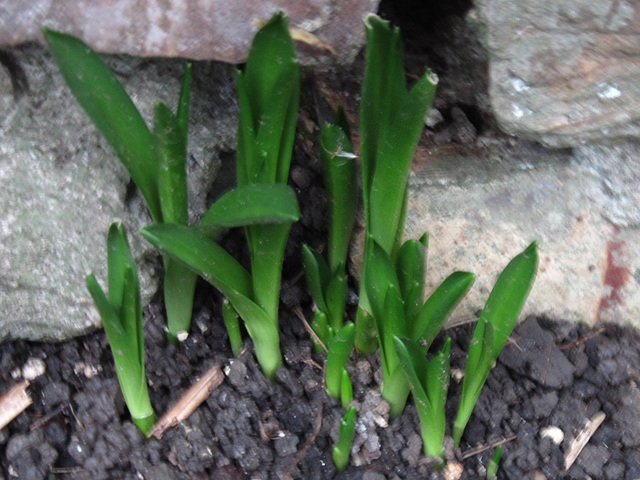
(61, 186)
(481, 208)
(563, 72)
(222, 30)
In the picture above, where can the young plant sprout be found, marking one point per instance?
(155, 160)
(328, 279)
(268, 91)
(429, 381)
(121, 314)
(497, 321)
(494, 463)
(342, 450)
(400, 311)
(391, 122)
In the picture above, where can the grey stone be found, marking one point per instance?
(563, 72)
(484, 206)
(62, 186)
(328, 31)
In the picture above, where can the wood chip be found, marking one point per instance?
(14, 402)
(193, 397)
(582, 439)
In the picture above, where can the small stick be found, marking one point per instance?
(308, 328)
(14, 402)
(192, 398)
(582, 439)
(481, 448)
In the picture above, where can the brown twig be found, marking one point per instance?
(14, 402)
(308, 328)
(42, 421)
(191, 399)
(582, 439)
(481, 448)
(582, 340)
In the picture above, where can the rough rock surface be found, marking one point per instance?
(563, 72)
(62, 186)
(481, 208)
(209, 30)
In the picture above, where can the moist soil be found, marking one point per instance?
(552, 378)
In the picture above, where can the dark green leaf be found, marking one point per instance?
(254, 204)
(317, 273)
(111, 110)
(439, 306)
(337, 357)
(411, 270)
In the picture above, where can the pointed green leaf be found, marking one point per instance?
(119, 259)
(415, 366)
(317, 274)
(254, 204)
(111, 110)
(171, 151)
(183, 103)
(342, 450)
(204, 256)
(411, 269)
(439, 306)
(346, 389)
(337, 357)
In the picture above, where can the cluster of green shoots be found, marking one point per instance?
(392, 312)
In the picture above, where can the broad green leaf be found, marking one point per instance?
(179, 289)
(337, 358)
(439, 306)
(204, 256)
(254, 204)
(340, 178)
(171, 151)
(342, 450)
(111, 110)
(119, 259)
(381, 276)
(317, 273)
(336, 298)
(411, 270)
(414, 363)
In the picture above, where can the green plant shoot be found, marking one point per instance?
(121, 314)
(497, 321)
(494, 463)
(342, 450)
(268, 93)
(429, 381)
(155, 160)
(391, 122)
(327, 279)
(400, 311)
(338, 354)
(195, 248)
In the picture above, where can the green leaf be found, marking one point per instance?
(183, 103)
(415, 366)
(204, 256)
(381, 276)
(119, 259)
(439, 306)
(346, 389)
(342, 450)
(317, 273)
(111, 110)
(337, 358)
(254, 204)
(336, 298)
(340, 178)
(179, 289)
(171, 152)
(497, 321)
(411, 270)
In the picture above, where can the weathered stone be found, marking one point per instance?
(563, 72)
(62, 186)
(483, 209)
(328, 31)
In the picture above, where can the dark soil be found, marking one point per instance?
(551, 374)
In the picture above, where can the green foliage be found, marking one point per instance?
(497, 321)
(429, 381)
(400, 311)
(121, 314)
(391, 121)
(347, 431)
(155, 160)
(494, 463)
